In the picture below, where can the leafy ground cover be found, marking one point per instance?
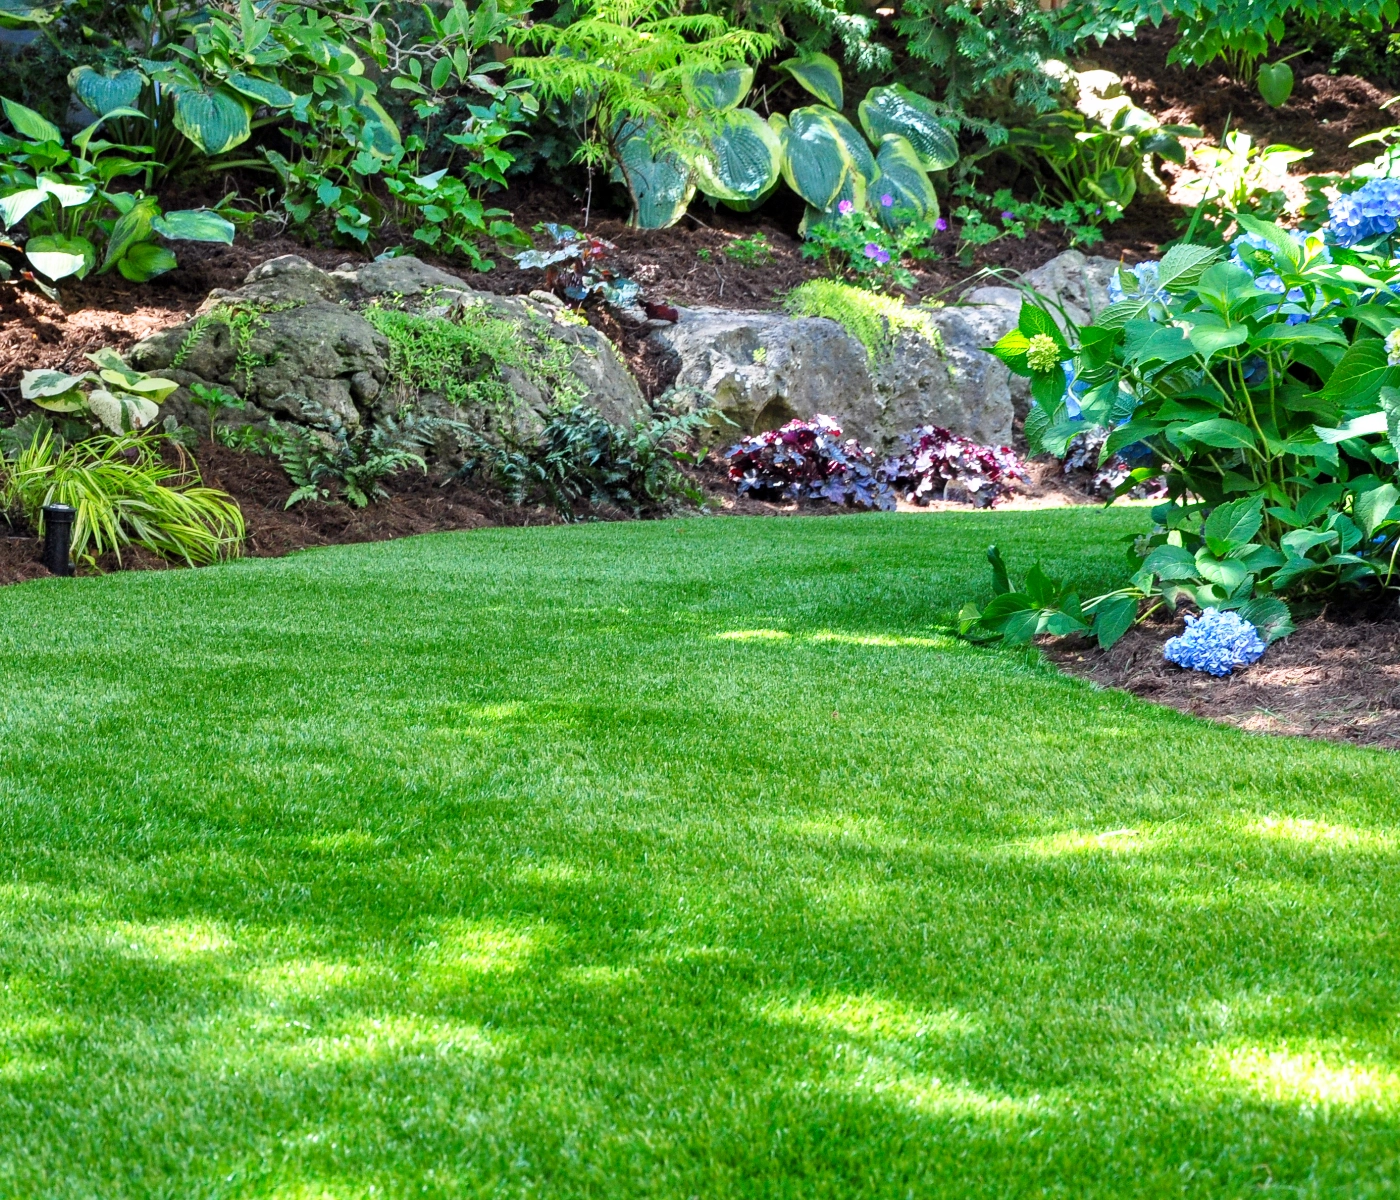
(667, 859)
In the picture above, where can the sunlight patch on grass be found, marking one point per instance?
(1308, 1076)
(1073, 841)
(480, 947)
(171, 941)
(753, 635)
(867, 1016)
(936, 642)
(385, 1039)
(1320, 833)
(305, 979)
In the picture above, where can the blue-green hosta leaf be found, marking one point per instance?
(103, 94)
(30, 124)
(662, 186)
(144, 261)
(132, 226)
(719, 91)
(194, 225)
(895, 109)
(743, 159)
(901, 177)
(215, 121)
(819, 75)
(59, 257)
(815, 162)
(274, 95)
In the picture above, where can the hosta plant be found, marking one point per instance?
(809, 460)
(114, 396)
(62, 203)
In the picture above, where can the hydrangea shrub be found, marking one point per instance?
(1216, 642)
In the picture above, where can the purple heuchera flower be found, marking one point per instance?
(809, 459)
(845, 208)
(934, 457)
(887, 201)
(878, 253)
(1215, 642)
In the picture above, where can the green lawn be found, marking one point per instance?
(680, 859)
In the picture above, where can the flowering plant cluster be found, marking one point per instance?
(1367, 214)
(854, 243)
(935, 458)
(1216, 642)
(809, 460)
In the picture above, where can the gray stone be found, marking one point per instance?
(311, 357)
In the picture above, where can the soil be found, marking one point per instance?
(1335, 678)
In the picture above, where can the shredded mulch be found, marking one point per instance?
(1334, 678)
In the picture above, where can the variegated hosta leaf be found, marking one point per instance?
(18, 204)
(743, 159)
(815, 162)
(662, 186)
(857, 148)
(719, 91)
(819, 75)
(121, 412)
(194, 225)
(904, 182)
(47, 383)
(144, 261)
(68, 195)
(103, 93)
(274, 95)
(30, 124)
(895, 109)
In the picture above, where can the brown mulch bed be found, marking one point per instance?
(1333, 678)
(1325, 113)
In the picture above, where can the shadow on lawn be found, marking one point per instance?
(1183, 1011)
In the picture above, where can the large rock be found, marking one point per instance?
(765, 368)
(293, 344)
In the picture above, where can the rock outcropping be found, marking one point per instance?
(765, 368)
(294, 344)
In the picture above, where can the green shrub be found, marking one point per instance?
(872, 319)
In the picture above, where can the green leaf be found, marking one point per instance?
(1377, 422)
(1011, 349)
(1171, 563)
(1232, 525)
(856, 147)
(1034, 320)
(144, 261)
(1390, 405)
(1001, 581)
(1229, 573)
(59, 257)
(1315, 501)
(743, 158)
(815, 162)
(1372, 509)
(215, 121)
(1043, 591)
(720, 91)
(30, 124)
(897, 110)
(819, 75)
(68, 195)
(194, 225)
(103, 93)
(1284, 244)
(1209, 340)
(1275, 83)
(1357, 379)
(1219, 432)
(274, 95)
(1113, 618)
(133, 226)
(1048, 388)
(47, 383)
(662, 185)
(1021, 627)
(901, 176)
(1270, 616)
(17, 205)
(1182, 266)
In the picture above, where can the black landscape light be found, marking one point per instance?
(58, 536)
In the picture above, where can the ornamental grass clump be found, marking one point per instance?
(809, 460)
(935, 457)
(1216, 642)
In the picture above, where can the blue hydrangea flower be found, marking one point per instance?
(1252, 251)
(1215, 642)
(1369, 212)
(1074, 391)
(1147, 286)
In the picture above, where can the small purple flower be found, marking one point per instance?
(1007, 216)
(887, 201)
(845, 208)
(941, 225)
(875, 252)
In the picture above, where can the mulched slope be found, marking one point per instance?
(1334, 679)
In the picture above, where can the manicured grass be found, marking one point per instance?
(678, 859)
